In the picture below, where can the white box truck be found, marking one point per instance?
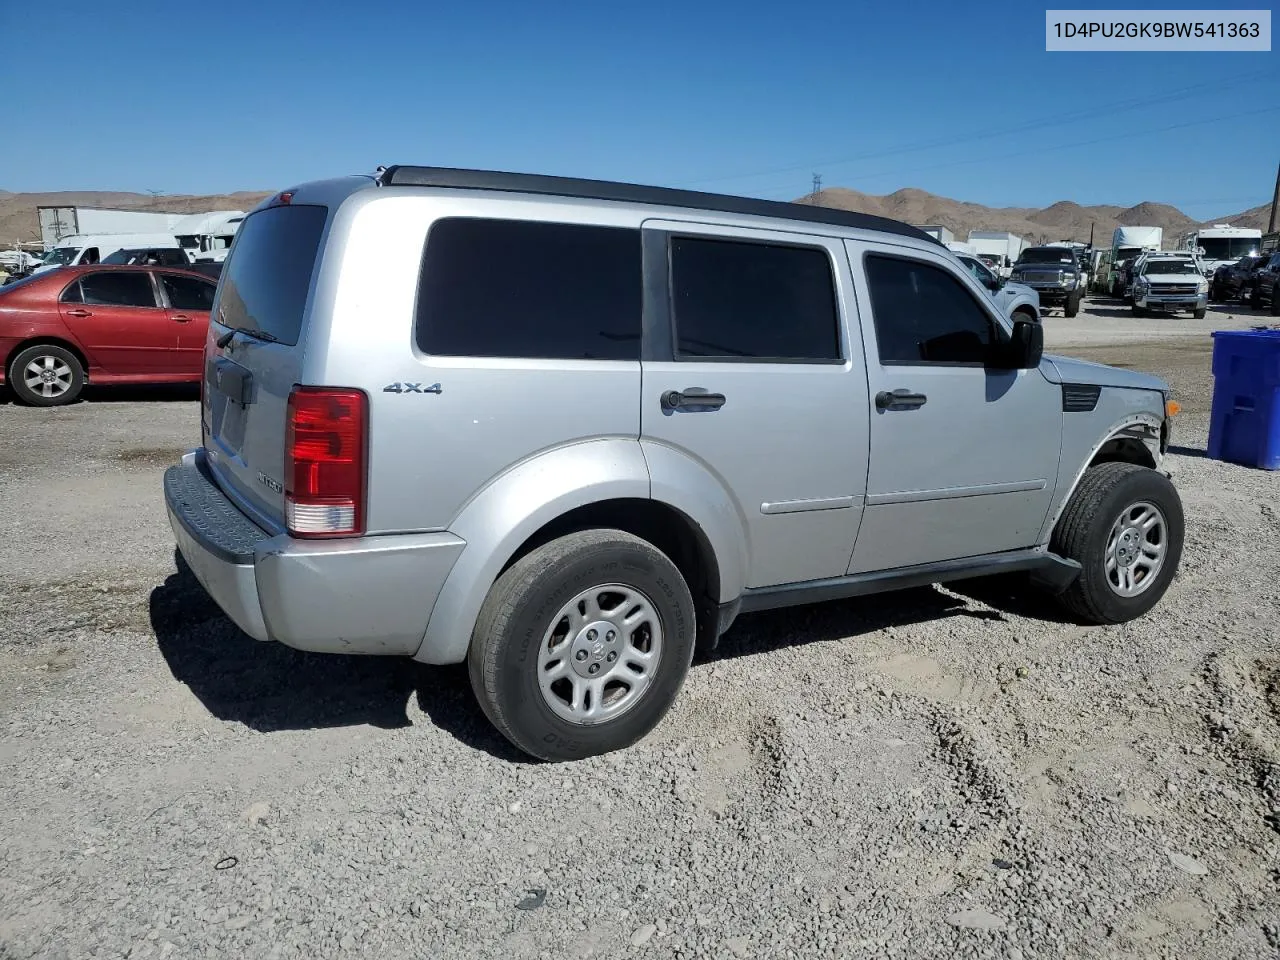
(1001, 246)
(1128, 242)
(59, 222)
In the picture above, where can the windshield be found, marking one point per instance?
(60, 256)
(1153, 267)
(1228, 248)
(978, 269)
(1047, 255)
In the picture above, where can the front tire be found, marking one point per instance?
(1072, 306)
(1124, 525)
(46, 375)
(1139, 311)
(1198, 313)
(1026, 314)
(582, 645)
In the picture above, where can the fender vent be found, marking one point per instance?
(1080, 397)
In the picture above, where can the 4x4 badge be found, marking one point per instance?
(410, 388)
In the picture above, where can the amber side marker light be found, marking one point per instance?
(1172, 408)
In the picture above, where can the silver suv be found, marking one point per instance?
(566, 430)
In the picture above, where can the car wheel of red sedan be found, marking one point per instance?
(46, 375)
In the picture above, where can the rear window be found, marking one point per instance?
(266, 278)
(510, 288)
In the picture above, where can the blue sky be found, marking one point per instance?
(752, 97)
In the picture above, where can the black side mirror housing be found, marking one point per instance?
(1025, 347)
(1023, 350)
(994, 283)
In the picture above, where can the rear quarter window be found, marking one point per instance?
(268, 274)
(526, 289)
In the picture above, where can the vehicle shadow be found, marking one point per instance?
(843, 619)
(269, 687)
(1187, 451)
(133, 393)
(144, 393)
(1113, 308)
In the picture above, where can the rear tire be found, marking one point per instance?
(1091, 531)
(1255, 297)
(46, 375)
(1275, 302)
(543, 606)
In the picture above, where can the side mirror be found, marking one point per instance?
(994, 283)
(1025, 346)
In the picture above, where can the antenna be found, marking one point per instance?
(817, 186)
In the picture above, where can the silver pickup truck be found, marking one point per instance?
(567, 430)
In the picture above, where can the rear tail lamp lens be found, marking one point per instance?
(325, 462)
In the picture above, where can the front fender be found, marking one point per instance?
(1124, 410)
(508, 511)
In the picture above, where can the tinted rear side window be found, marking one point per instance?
(924, 315)
(117, 289)
(753, 301)
(508, 288)
(268, 274)
(188, 293)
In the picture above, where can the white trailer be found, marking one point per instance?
(59, 222)
(1221, 244)
(938, 232)
(1005, 247)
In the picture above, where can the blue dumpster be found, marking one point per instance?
(1245, 424)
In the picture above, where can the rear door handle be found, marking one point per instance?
(180, 318)
(899, 400)
(79, 313)
(692, 398)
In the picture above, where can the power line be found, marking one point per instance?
(1057, 119)
(1055, 148)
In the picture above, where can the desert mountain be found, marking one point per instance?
(1063, 220)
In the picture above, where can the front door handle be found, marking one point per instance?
(692, 398)
(899, 400)
(180, 318)
(79, 313)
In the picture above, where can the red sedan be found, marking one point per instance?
(67, 327)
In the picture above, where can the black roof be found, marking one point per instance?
(410, 176)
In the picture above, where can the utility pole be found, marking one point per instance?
(1275, 202)
(817, 189)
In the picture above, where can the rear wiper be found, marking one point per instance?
(227, 337)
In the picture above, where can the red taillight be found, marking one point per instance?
(324, 473)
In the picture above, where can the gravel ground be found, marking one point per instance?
(933, 774)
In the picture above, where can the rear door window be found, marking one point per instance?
(528, 289)
(188, 293)
(738, 300)
(267, 277)
(118, 289)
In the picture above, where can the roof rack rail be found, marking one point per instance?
(449, 177)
